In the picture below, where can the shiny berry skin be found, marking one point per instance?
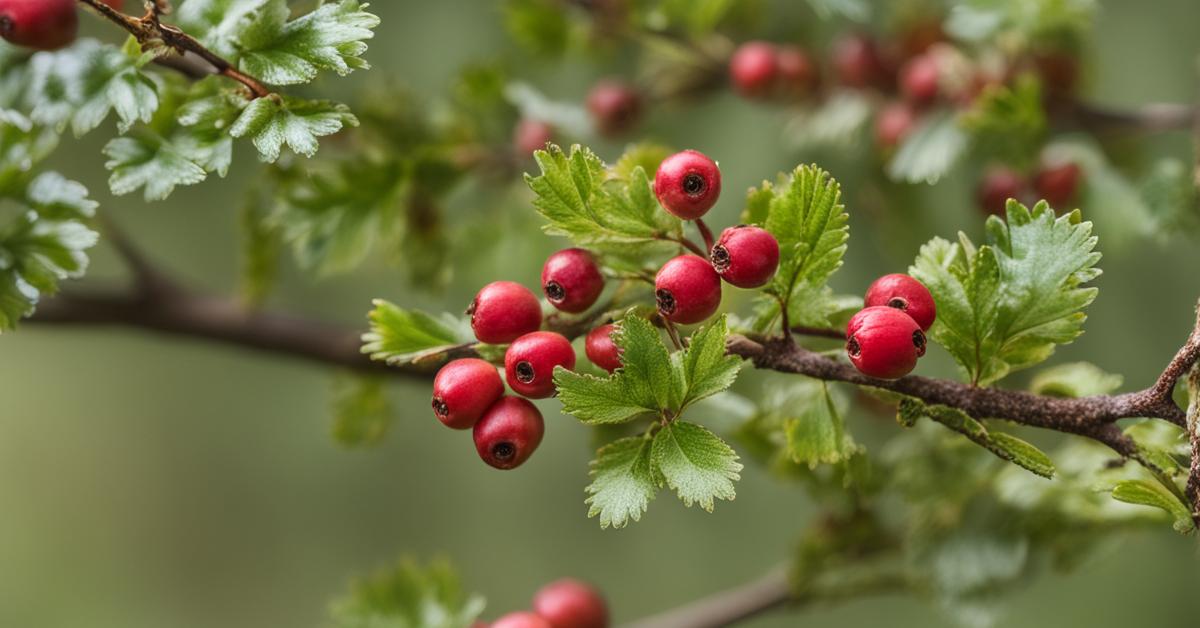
(753, 68)
(522, 619)
(905, 294)
(530, 135)
(687, 290)
(919, 80)
(601, 349)
(688, 184)
(571, 280)
(39, 24)
(508, 433)
(1058, 184)
(884, 342)
(797, 71)
(504, 311)
(530, 360)
(570, 603)
(463, 390)
(746, 256)
(999, 185)
(857, 62)
(893, 123)
(615, 107)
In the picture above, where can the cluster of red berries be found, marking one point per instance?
(1056, 182)
(760, 69)
(887, 337)
(42, 24)
(563, 603)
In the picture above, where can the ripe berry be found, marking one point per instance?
(503, 311)
(797, 71)
(998, 185)
(601, 349)
(754, 68)
(884, 342)
(570, 603)
(688, 184)
(39, 24)
(463, 390)
(919, 80)
(893, 123)
(522, 619)
(571, 280)
(687, 289)
(530, 360)
(530, 135)
(508, 432)
(905, 294)
(746, 256)
(614, 106)
(858, 62)
(1058, 184)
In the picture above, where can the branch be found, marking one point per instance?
(1151, 117)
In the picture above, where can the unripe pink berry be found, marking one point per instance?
(571, 280)
(1058, 184)
(797, 70)
(688, 184)
(463, 390)
(884, 342)
(920, 79)
(570, 603)
(39, 24)
(508, 433)
(905, 294)
(601, 349)
(687, 290)
(998, 185)
(530, 135)
(521, 619)
(504, 311)
(746, 256)
(530, 360)
(753, 68)
(615, 106)
(893, 123)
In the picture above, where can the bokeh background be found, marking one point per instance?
(152, 482)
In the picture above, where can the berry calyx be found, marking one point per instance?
(39, 24)
(998, 185)
(797, 70)
(571, 280)
(504, 311)
(530, 135)
(463, 390)
(688, 184)
(857, 62)
(615, 106)
(746, 256)
(753, 68)
(601, 349)
(530, 360)
(569, 603)
(893, 123)
(905, 294)
(509, 432)
(687, 290)
(522, 619)
(1058, 184)
(884, 342)
(919, 80)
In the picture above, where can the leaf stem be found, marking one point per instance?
(672, 332)
(705, 233)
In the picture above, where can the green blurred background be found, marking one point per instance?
(150, 482)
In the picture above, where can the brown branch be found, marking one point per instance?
(1151, 117)
(726, 607)
(1193, 430)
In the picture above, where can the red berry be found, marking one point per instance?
(687, 289)
(754, 68)
(39, 24)
(531, 135)
(998, 185)
(601, 349)
(893, 123)
(905, 294)
(746, 256)
(884, 342)
(570, 603)
(1058, 184)
(463, 390)
(504, 311)
(508, 432)
(530, 360)
(919, 80)
(571, 280)
(858, 62)
(688, 184)
(797, 70)
(521, 619)
(614, 106)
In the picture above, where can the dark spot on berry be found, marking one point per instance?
(852, 347)
(440, 408)
(919, 342)
(6, 25)
(694, 184)
(900, 303)
(504, 451)
(554, 291)
(720, 258)
(471, 309)
(525, 372)
(666, 301)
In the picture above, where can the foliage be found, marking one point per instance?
(408, 595)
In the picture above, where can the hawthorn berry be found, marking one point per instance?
(687, 289)
(688, 184)
(530, 360)
(530, 135)
(797, 70)
(503, 311)
(746, 256)
(753, 68)
(463, 390)
(601, 349)
(919, 79)
(998, 185)
(615, 106)
(1058, 184)
(905, 294)
(509, 432)
(893, 123)
(857, 62)
(39, 24)
(884, 342)
(571, 280)
(570, 603)
(522, 619)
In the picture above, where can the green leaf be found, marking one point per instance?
(408, 595)
(707, 369)
(206, 119)
(696, 463)
(1008, 123)
(817, 433)
(400, 336)
(146, 160)
(1004, 446)
(836, 121)
(541, 26)
(1005, 306)
(1170, 196)
(930, 150)
(1152, 494)
(331, 37)
(261, 244)
(1021, 453)
(35, 255)
(1075, 379)
(361, 412)
(54, 196)
(853, 10)
(623, 482)
(272, 121)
